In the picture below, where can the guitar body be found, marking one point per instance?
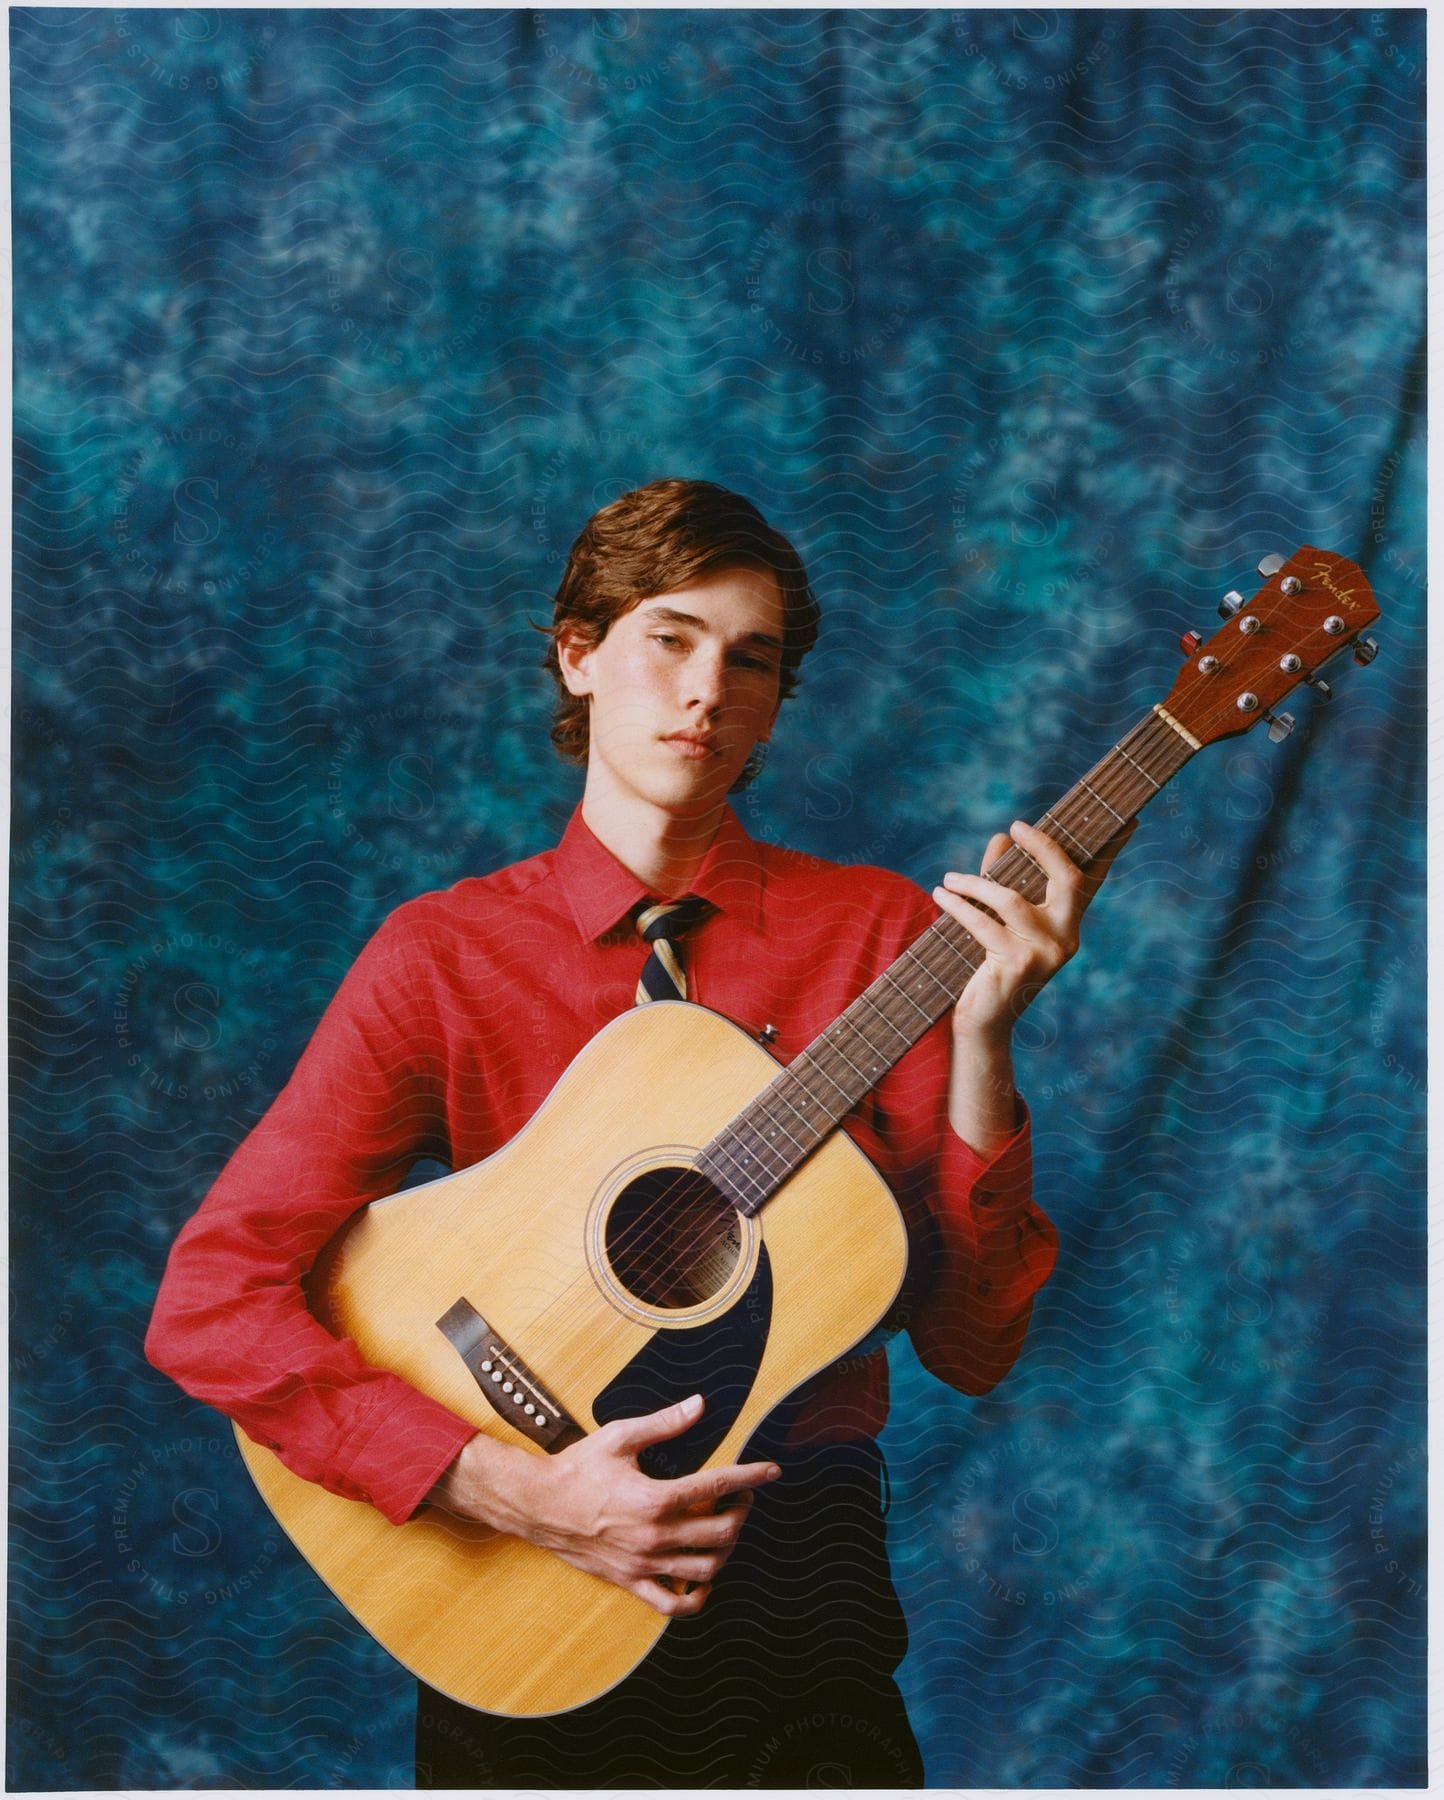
(575, 1243)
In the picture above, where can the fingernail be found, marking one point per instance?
(773, 1471)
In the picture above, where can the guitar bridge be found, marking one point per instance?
(514, 1392)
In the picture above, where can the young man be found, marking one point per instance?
(678, 631)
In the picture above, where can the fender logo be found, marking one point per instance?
(1325, 577)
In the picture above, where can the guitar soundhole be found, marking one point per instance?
(672, 1238)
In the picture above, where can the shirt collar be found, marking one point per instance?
(601, 890)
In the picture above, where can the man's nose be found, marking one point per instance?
(706, 681)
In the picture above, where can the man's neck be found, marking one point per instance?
(662, 850)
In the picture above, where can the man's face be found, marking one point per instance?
(682, 687)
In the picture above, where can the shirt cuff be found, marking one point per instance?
(1015, 1244)
(1009, 1163)
(399, 1451)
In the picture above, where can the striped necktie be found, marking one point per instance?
(661, 924)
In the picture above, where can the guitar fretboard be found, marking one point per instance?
(754, 1154)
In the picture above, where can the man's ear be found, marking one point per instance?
(574, 658)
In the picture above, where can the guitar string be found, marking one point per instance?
(664, 1204)
(1010, 861)
(659, 1208)
(648, 1219)
(747, 1181)
(1157, 743)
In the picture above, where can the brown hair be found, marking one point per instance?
(655, 540)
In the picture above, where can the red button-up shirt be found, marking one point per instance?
(448, 1032)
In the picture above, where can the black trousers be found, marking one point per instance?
(784, 1679)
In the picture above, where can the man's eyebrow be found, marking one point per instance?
(671, 615)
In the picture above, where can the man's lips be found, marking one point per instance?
(692, 747)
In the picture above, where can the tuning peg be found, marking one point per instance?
(1190, 641)
(1320, 687)
(1280, 725)
(1230, 604)
(1365, 650)
(1271, 564)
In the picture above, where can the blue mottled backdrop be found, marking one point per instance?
(1036, 329)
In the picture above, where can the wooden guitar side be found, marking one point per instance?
(487, 1618)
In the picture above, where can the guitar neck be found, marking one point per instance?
(754, 1154)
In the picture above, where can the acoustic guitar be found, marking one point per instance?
(623, 1252)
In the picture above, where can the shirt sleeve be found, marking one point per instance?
(980, 1246)
(231, 1324)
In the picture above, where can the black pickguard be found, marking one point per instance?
(718, 1359)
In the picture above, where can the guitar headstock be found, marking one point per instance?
(1310, 608)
